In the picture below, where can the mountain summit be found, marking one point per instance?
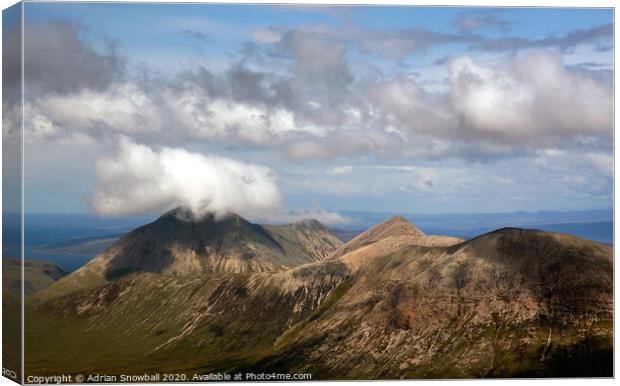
(180, 244)
(391, 235)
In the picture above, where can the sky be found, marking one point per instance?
(303, 111)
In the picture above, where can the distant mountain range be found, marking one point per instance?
(592, 224)
(215, 294)
(485, 220)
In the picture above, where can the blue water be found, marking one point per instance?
(43, 229)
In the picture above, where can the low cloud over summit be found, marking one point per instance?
(140, 179)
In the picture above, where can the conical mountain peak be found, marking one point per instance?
(183, 243)
(394, 226)
(397, 226)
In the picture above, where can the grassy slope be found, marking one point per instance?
(150, 321)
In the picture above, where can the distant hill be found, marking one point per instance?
(87, 246)
(392, 303)
(38, 275)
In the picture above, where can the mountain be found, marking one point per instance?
(393, 303)
(38, 275)
(511, 302)
(181, 245)
(394, 227)
(392, 234)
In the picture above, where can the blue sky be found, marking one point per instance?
(319, 109)
(148, 32)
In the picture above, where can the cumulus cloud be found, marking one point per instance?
(121, 108)
(267, 35)
(401, 43)
(317, 92)
(140, 179)
(530, 102)
(308, 102)
(533, 101)
(470, 21)
(56, 60)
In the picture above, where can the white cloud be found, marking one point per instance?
(533, 101)
(602, 164)
(252, 123)
(340, 170)
(267, 35)
(123, 107)
(140, 179)
(315, 106)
